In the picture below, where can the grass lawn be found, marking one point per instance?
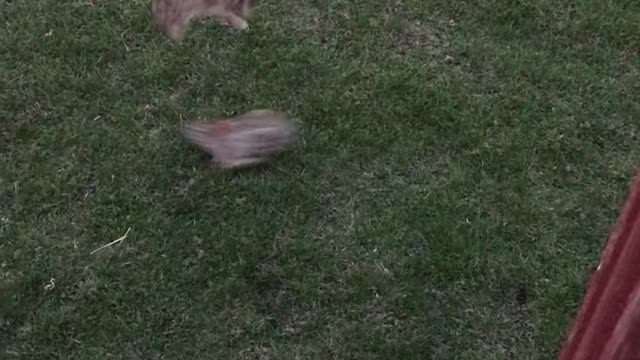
(458, 168)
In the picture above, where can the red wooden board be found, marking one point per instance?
(607, 326)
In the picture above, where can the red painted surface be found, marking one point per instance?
(607, 326)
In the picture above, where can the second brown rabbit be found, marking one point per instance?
(174, 16)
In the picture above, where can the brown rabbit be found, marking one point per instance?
(174, 16)
(246, 140)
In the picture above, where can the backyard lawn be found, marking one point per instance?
(458, 167)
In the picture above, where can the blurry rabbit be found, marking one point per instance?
(243, 141)
(174, 16)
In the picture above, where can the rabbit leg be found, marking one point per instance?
(176, 31)
(239, 163)
(235, 21)
(223, 16)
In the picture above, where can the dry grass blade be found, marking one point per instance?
(112, 243)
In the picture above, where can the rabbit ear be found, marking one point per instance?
(257, 113)
(207, 135)
(218, 127)
(197, 134)
(263, 114)
(222, 127)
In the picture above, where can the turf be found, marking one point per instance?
(458, 168)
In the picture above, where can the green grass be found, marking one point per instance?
(443, 170)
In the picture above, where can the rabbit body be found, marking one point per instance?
(173, 16)
(246, 140)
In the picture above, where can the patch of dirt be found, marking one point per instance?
(277, 300)
(431, 165)
(516, 307)
(425, 37)
(411, 33)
